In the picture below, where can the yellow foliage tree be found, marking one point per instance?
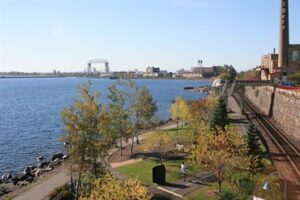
(111, 188)
(202, 109)
(180, 110)
(159, 142)
(87, 136)
(226, 149)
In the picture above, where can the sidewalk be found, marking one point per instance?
(239, 121)
(181, 188)
(41, 190)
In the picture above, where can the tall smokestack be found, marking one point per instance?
(283, 39)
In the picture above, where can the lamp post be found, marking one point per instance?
(266, 185)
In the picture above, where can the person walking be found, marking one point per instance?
(183, 171)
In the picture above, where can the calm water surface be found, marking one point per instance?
(30, 113)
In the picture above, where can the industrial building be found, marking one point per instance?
(287, 61)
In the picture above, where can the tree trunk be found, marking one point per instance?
(219, 178)
(78, 186)
(220, 186)
(79, 179)
(121, 146)
(132, 142)
(177, 126)
(137, 137)
(137, 132)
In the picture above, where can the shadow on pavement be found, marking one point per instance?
(175, 185)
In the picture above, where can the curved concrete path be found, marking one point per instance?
(41, 190)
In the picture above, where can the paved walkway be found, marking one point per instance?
(192, 183)
(42, 190)
(239, 121)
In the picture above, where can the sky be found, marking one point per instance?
(43, 35)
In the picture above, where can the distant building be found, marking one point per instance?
(206, 72)
(153, 70)
(179, 72)
(287, 61)
(94, 70)
(89, 68)
(191, 75)
(269, 67)
(153, 75)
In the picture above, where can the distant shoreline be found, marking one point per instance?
(134, 78)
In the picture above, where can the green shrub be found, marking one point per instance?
(65, 195)
(228, 195)
(57, 191)
(295, 77)
(246, 186)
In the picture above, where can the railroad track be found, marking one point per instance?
(278, 138)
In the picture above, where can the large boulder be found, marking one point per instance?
(57, 156)
(42, 164)
(38, 172)
(19, 177)
(40, 158)
(65, 157)
(27, 170)
(22, 183)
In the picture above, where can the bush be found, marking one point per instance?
(295, 77)
(226, 195)
(244, 184)
(57, 191)
(65, 195)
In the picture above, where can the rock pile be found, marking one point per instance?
(9, 182)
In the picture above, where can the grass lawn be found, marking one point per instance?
(208, 192)
(183, 135)
(143, 170)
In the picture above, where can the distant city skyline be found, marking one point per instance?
(63, 35)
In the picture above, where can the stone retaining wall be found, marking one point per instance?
(260, 97)
(286, 108)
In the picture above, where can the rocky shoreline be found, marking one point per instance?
(204, 89)
(11, 182)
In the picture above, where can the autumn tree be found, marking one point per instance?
(228, 73)
(111, 188)
(132, 106)
(225, 150)
(145, 108)
(179, 110)
(202, 109)
(86, 134)
(295, 77)
(159, 142)
(118, 114)
(248, 75)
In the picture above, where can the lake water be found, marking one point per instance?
(30, 113)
